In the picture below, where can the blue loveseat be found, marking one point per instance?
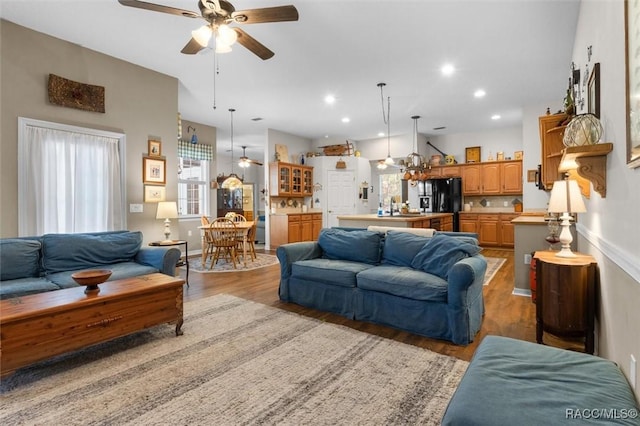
(37, 264)
(430, 286)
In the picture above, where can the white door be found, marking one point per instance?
(341, 195)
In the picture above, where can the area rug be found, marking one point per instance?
(493, 265)
(262, 260)
(238, 362)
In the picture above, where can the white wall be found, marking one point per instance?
(609, 230)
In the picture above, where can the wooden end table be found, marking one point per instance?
(40, 326)
(182, 261)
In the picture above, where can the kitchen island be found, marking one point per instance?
(438, 221)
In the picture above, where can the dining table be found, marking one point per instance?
(243, 229)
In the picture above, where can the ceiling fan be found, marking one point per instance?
(246, 161)
(219, 14)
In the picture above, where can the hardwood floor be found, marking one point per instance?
(506, 314)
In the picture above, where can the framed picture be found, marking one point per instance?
(500, 156)
(518, 155)
(154, 171)
(594, 91)
(472, 154)
(632, 55)
(531, 175)
(154, 194)
(155, 148)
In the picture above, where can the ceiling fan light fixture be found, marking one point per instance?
(221, 47)
(389, 161)
(202, 35)
(226, 34)
(244, 163)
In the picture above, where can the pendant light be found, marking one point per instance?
(414, 161)
(233, 181)
(386, 119)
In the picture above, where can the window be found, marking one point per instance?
(193, 187)
(70, 179)
(390, 186)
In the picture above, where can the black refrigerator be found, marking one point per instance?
(443, 196)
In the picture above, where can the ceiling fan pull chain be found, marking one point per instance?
(216, 70)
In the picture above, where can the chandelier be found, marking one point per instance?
(414, 164)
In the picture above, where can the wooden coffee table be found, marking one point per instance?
(40, 326)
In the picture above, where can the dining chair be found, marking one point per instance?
(222, 236)
(204, 221)
(236, 217)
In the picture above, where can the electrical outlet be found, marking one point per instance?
(135, 208)
(189, 233)
(527, 259)
(505, 204)
(633, 378)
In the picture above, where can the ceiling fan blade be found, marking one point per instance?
(267, 14)
(253, 45)
(159, 8)
(192, 47)
(256, 162)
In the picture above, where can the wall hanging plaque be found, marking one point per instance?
(72, 94)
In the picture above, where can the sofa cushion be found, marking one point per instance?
(334, 272)
(118, 272)
(442, 252)
(25, 286)
(19, 258)
(401, 247)
(424, 232)
(357, 246)
(404, 282)
(72, 252)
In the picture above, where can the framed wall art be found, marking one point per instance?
(154, 194)
(518, 155)
(155, 148)
(594, 91)
(154, 171)
(472, 154)
(632, 55)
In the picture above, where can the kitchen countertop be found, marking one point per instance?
(394, 218)
(300, 212)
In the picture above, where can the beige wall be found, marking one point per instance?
(139, 102)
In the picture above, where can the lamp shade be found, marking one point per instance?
(566, 197)
(167, 210)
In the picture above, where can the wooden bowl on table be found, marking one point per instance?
(91, 278)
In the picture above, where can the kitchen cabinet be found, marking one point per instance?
(507, 230)
(492, 178)
(293, 228)
(511, 177)
(450, 171)
(551, 135)
(471, 179)
(316, 226)
(290, 180)
(493, 229)
(566, 296)
(469, 222)
(488, 229)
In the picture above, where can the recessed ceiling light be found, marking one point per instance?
(346, 119)
(381, 134)
(479, 93)
(496, 117)
(447, 69)
(330, 99)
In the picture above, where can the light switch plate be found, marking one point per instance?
(135, 208)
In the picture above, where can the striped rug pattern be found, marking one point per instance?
(238, 362)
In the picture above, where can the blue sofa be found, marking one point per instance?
(430, 286)
(32, 265)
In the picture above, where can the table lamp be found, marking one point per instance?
(566, 199)
(167, 210)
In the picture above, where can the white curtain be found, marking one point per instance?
(70, 181)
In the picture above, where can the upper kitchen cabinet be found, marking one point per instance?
(290, 180)
(492, 178)
(551, 135)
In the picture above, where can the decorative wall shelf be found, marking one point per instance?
(590, 162)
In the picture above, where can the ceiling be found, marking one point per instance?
(518, 51)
